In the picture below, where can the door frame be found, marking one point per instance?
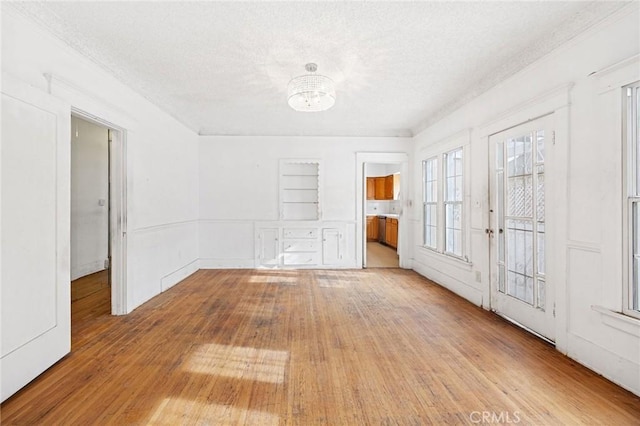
(556, 101)
(361, 201)
(117, 209)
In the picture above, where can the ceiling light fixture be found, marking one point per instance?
(311, 92)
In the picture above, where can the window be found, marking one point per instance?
(453, 202)
(632, 231)
(443, 196)
(430, 204)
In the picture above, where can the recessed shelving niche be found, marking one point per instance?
(300, 189)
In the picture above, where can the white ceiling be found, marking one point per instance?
(223, 67)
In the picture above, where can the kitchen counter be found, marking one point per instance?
(391, 215)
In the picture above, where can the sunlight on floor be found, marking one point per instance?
(174, 411)
(273, 279)
(261, 365)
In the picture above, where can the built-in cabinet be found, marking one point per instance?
(391, 230)
(372, 228)
(383, 188)
(371, 188)
(299, 246)
(269, 247)
(390, 236)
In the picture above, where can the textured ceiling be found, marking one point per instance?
(223, 67)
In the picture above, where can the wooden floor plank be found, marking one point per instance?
(260, 347)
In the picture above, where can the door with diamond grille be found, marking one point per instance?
(520, 290)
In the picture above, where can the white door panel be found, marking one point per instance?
(331, 247)
(35, 286)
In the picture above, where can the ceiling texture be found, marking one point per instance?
(222, 68)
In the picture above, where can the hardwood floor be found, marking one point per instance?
(381, 256)
(90, 299)
(361, 347)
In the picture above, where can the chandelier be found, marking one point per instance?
(311, 92)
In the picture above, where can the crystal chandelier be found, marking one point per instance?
(311, 92)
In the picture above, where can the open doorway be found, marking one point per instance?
(90, 221)
(382, 209)
(395, 167)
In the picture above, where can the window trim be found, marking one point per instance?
(631, 172)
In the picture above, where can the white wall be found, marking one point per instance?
(587, 245)
(89, 197)
(239, 187)
(161, 154)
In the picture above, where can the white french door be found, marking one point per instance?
(35, 278)
(520, 289)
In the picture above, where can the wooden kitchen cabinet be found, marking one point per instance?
(380, 188)
(391, 232)
(371, 188)
(372, 228)
(388, 187)
(383, 187)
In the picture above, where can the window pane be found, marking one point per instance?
(430, 221)
(511, 165)
(430, 179)
(540, 195)
(520, 196)
(453, 201)
(430, 197)
(540, 250)
(453, 226)
(520, 259)
(540, 146)
(527, 148)
(458, 193)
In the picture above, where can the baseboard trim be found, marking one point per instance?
(175, 277)
(227, 263)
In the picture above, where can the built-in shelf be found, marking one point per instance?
(299, 189)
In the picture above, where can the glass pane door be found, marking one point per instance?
(520, 206)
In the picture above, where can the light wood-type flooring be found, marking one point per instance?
(381, 256)
(363, 347)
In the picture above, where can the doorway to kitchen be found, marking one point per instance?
(381, 188)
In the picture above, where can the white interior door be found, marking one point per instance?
(520, 289)
(35, 296)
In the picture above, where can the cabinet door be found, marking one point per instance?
(387, 229)
(388, 187)
(331, 247)
(269, 246)
(394, 233)
(372, 228)
(380, 188)
(371, 188)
